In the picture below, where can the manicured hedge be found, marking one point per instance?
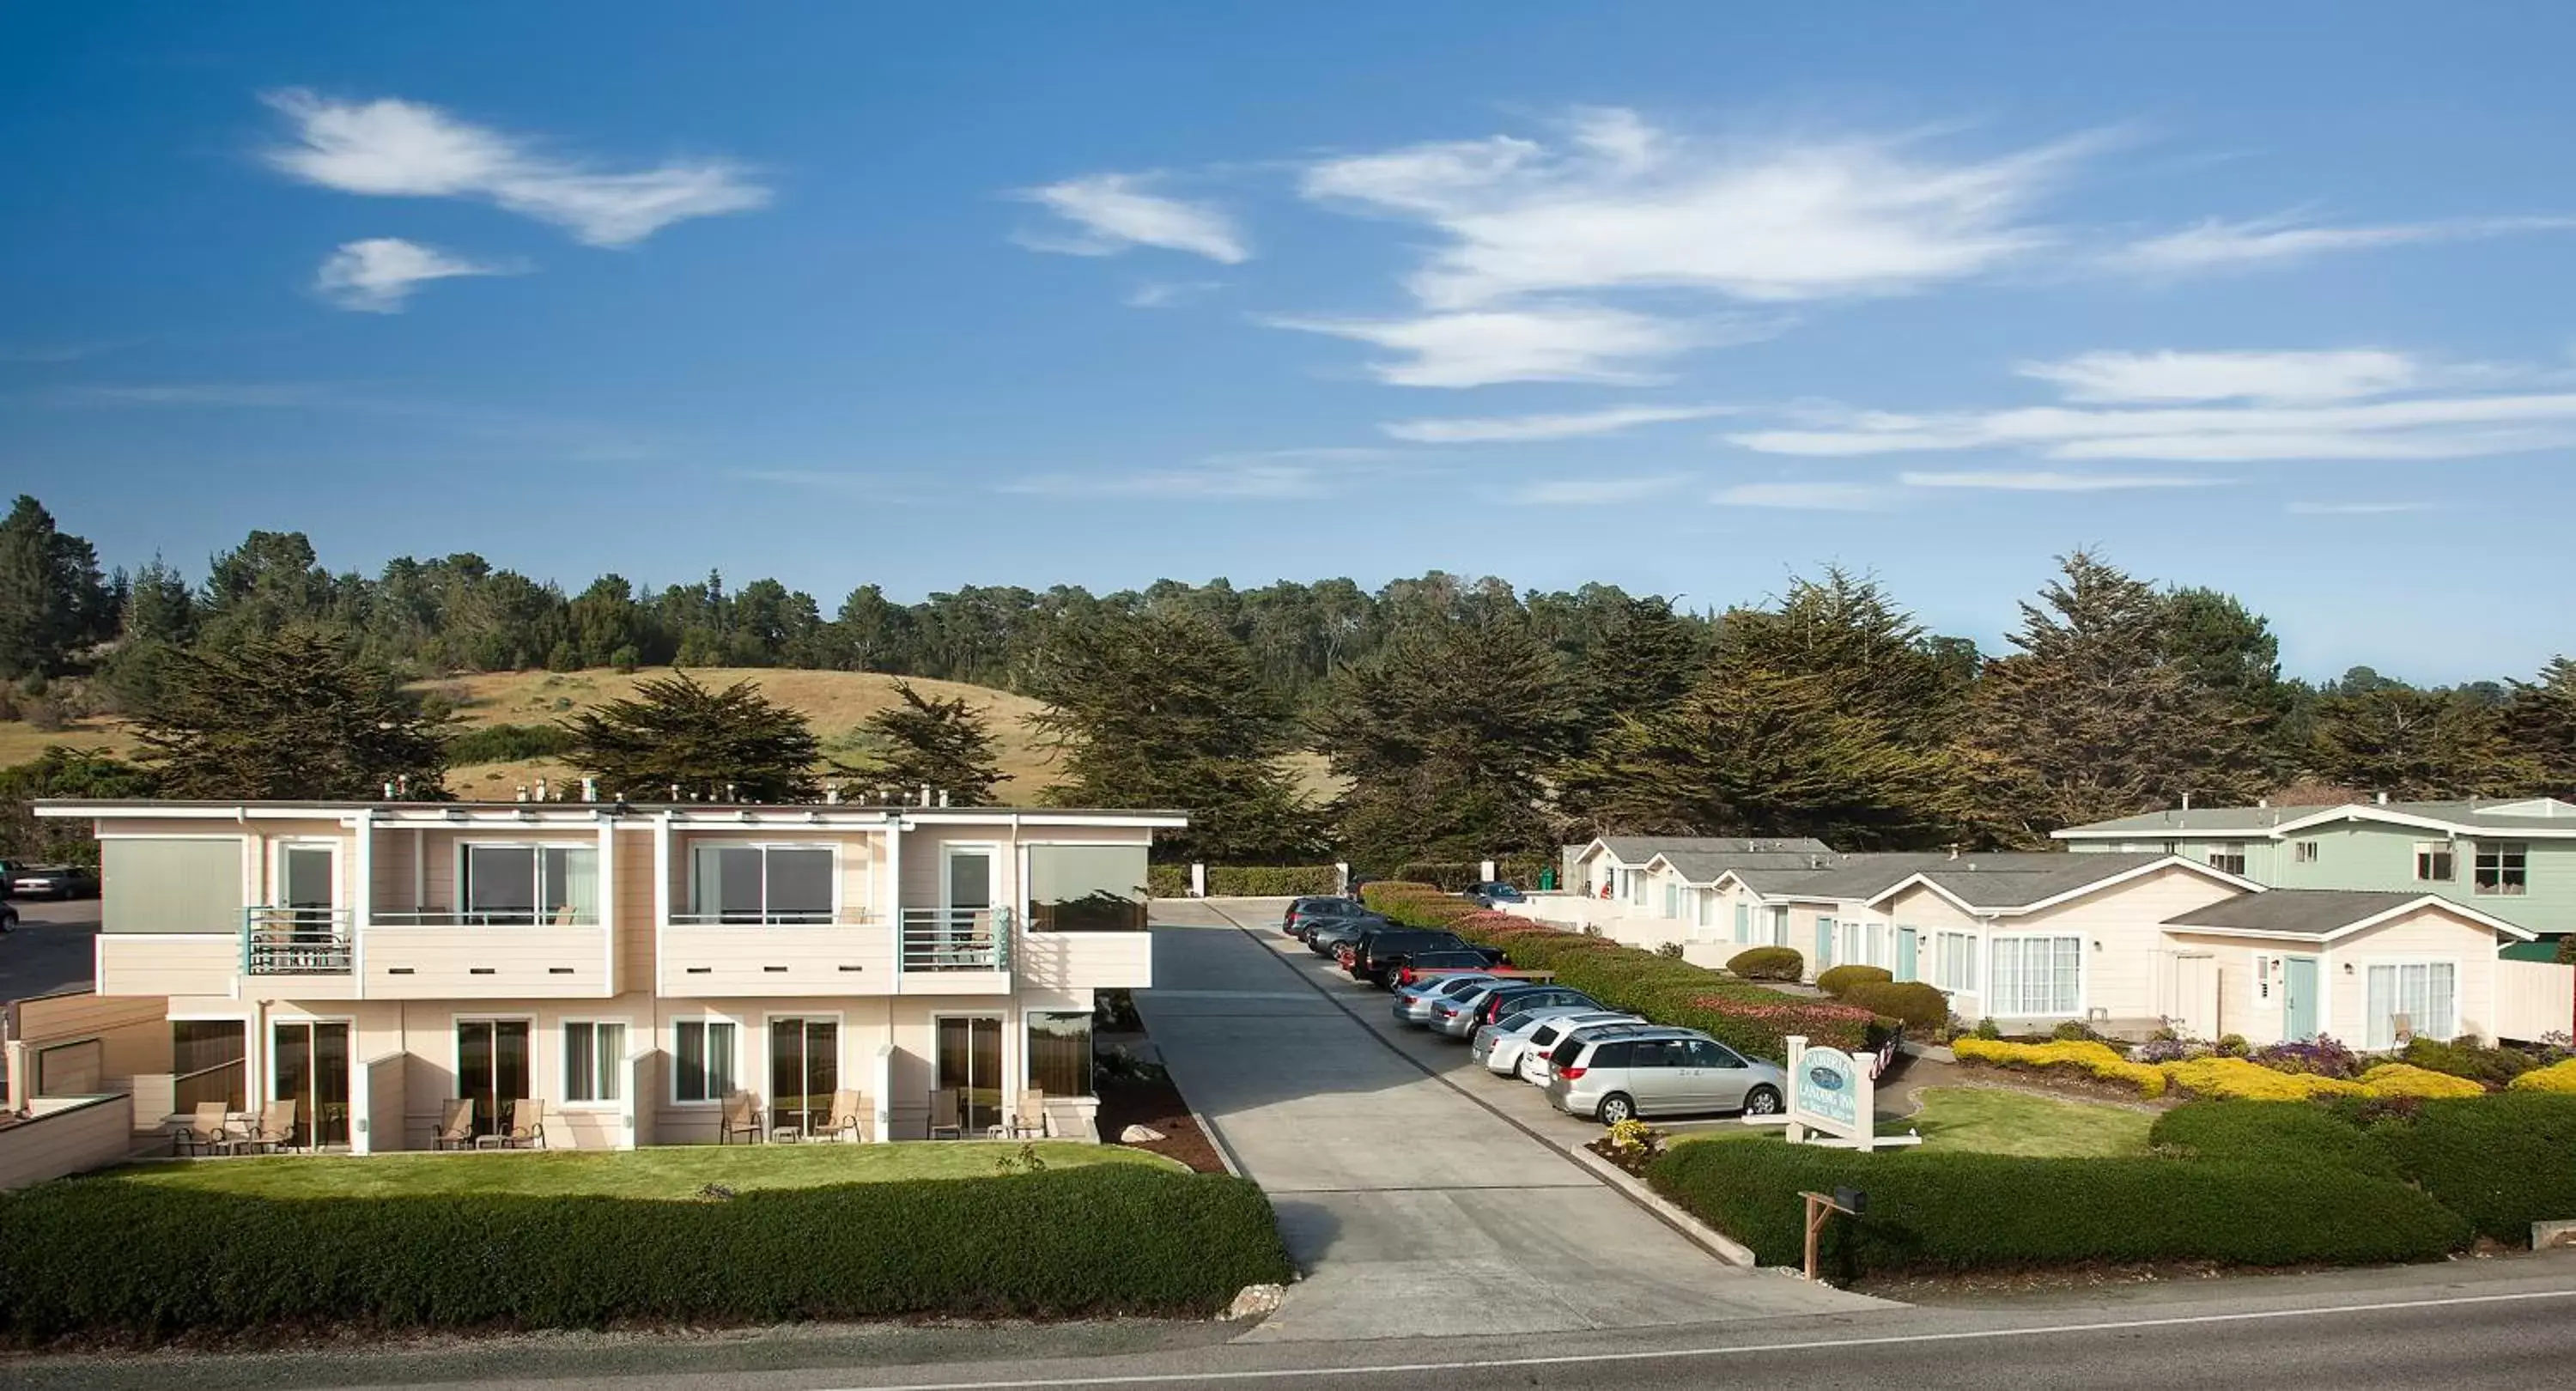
(2503, 1161)
(2557, 1077)
(1924, 1010)
(1767, 963)
(1167, 881)
(1452, 875)
(1837, 981)
(2468, 1058)
(2268, 1132)
(108, 1257)
(1931, 1210)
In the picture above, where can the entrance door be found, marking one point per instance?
(305, 875)
(804, 1068)
(310, 1065)
(968, 896)
(1906, 947)
(492, 1068)
(2299, 998)
(970, 1060)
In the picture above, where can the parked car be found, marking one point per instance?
(1523, 1051)
(1492, 1003)
(51, 881)
(8, 913)
(1490, 892)
(1378, 955)
(1315, 907)
(1611, 1077)
(1414, 1003)
(1446, 961)
(1513, 1026)
(1329, 934)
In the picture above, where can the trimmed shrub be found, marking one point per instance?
(2405, 1079)
(2468, 1058)
(2317, 1057)
(1767, 963)
(2503, 1161)
(508, 743)
(1837, 981)
(2248, 1081)
(1269, 881)
(2083, 1057)
(2075, 1031)
(101, 1256)
(1920, 1007)
(2267, 1132)
(1934, 1210)
(1449, 876)
(1167, 881)
(2557, 1077)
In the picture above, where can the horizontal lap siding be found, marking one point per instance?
(721, 961)
(2426, 933)
(66, 1142)
(1085, 960)
(522, 960)
(2128, 920)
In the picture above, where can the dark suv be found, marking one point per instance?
(1377, 956)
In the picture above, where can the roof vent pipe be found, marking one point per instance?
(2186, 801)
(925, 794)
(590, 789)
(943, 797)
(2383, 799)
(541, 789)
(831, 794)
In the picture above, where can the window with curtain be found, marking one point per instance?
(761, 884)
(594, 1061)
(1957, 966)
(2425, 992)
(701, 1059)
(2036, 976)
(1086, 888)
(519, 885)
(1060, 1051)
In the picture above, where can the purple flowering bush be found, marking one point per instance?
(2318, 1057)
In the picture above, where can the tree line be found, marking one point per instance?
(1462, 718)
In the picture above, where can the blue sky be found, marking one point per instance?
(1686, 297)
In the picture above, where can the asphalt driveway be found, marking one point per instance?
(1412, 1209)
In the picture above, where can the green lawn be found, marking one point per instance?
(671, 1171)
(2002, 1122)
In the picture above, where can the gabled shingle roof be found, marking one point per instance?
(2002, 879)
(2316, 913)
(1636, 850)
(2526, 814)
(1704, 866)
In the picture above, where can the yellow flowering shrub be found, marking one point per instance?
(2405, 1079)
(2557, 1077)
(2099, 1061)
(2237, 1079)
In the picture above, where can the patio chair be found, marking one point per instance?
(455, 1124)
(741, 1117)
(848, 1118)
(206, 1132)
(946, 1114)
(275, 1129)
(527, 1123)
(1026, 1123)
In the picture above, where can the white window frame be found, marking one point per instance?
(2448, 850)
(698, 916)
(609, 1067)
(277, 850)
(733, 1066)
(2370, 1024)
(1954, 962)
(1994, 999)
(2519, 849)
(2227, 857)
(2304, 852)
(463, 854)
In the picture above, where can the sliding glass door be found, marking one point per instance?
(970, 1061)
(492, 1068)
(310, 1067)
(804, 1068)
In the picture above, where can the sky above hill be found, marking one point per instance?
(1681, 296)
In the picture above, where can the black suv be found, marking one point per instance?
(1377, 956)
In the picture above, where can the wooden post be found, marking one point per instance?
(1821, 1208)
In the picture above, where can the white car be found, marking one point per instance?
(1530, 1061)
(1504, 1054)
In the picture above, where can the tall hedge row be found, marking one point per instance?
(2503, 1161)
(109, 1257)
(1751, 1018)
(1948, 1211)
(1245, 881)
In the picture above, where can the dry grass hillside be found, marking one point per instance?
(836, 703)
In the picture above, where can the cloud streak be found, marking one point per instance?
(1803, 497)
(377, 275)
(2047, 482)
(1540, 343)
(1516, 429)
(2215, 244)
(1593, 492)
(1115, 213)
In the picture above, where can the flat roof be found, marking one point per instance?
(163, 806)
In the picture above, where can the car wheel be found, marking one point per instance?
(1616, 1107)
(1762, 1101)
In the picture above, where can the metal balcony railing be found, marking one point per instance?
(565, 916)
(954, 939)
(288, 941)
(777, 917)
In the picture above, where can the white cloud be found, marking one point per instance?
(1810, 497)
(1171, 294)
(2355, 509)
(2217, 244)
(1593, 492)
(1512, 429)
(2256, 376)
(1234, 480)
(191, 394)
(2045, 482)
(395, 148)
(1116, 214)
(378, 274)
(1540, 343)
(1618, 203)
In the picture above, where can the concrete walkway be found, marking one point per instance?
(1411, 1209)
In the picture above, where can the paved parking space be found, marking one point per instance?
(53, 948)
(1412, 1209)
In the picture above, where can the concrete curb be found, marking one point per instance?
(1698, 1233)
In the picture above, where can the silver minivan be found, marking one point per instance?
(1619, 1074)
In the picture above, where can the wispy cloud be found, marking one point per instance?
(2225, 376)
(874, 486)
(2044, 482)
(378, 275)
(189, 394)
(1539, 343)
(2217, 244)
(1593, 492)
(1522, 428)
(2374, 422)
(1805, 497)
(395, 148)
(1114, 213)
(1257, 473)
(2355, 509)
(37, 354)
(1171, 294)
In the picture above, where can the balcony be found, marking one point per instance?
(777, 953)
(954, 939)
(282, 941)
(485, 917)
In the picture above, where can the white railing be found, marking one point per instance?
(954, 939)
(566, 916)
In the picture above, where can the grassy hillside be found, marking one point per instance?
(836, 702)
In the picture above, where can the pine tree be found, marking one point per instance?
(290, 716)
(2094, 719)
(675, 737)
(2416, 745)
(52, 599)
(2540, 720)
(941, 744)
(1163, 709)
(1641, 662)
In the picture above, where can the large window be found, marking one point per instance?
(2503, 867)
(2303, 852)
(701, 1060)
(517, 885)
(207, 1056)
(1060, 1051)
(2425, 993)
(594, 1061)
(1956, 968)
(2036, 977)
(2227, 859)
(761, 884)
(1086, 888)
(2435, 862)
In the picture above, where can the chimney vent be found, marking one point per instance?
(590, 789)
(831, 794)
(2383, 799)
(943, 796)
(541, 789)
(925, 794)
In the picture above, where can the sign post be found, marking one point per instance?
(1832, 1100)
(1821, 1208)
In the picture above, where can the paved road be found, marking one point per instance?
(1411, 1209)
(50, 950)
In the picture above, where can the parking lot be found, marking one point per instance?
(1419, 1194)
(52, 948)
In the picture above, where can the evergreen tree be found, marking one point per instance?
(1163, 709)
(2416, 745)
(2093, 719)
(52, 599)
(2540, 720)
(674, 737)
(1640, 663)
(942, 744)
(291, 716)
(62, 772)
(1444, 737)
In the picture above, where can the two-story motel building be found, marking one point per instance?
(629, 965)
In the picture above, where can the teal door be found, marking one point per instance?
(1905, 953)
(1824, 944)
(2299, 998)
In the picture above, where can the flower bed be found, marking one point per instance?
(2557, 1077)
(2098, 1061)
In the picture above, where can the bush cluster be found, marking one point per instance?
(1449, 876)
(1837, 981)
(1103, 1240)
(2406, 1079)
(2317, 1057)
(2503, 1161)
(2084, 1057)
(1923, 1009)
(1271, 881)
(508, 743)
(2267, 1132)
(2468, 1058)
(1767, 963)
(2557, 1077)
(1948, 1210)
